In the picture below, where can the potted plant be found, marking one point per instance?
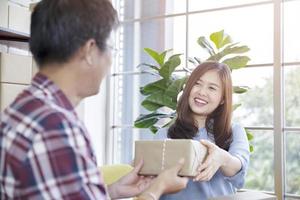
(161, 95)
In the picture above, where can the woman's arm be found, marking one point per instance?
(233, 164)
(230, 164)
(217, 158)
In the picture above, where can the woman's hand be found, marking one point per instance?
(216, 158)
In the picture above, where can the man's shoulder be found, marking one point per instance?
(33, 112)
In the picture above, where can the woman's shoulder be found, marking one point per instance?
(237, 129)
(236, 126)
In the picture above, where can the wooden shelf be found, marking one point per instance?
(11, 35)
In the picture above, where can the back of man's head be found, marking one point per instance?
(60, 27)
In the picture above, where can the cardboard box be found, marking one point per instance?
(247, 195)
(15, 68)
(8, 92)
(3, 13)
(3, 47)
(23, 3)
(19, 18)
(162, 154)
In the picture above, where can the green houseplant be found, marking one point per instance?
(161, 95)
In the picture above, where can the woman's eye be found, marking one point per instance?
(212, 88)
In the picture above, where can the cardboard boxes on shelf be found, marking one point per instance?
(8, 93)
(16, 72)
(15, 68)
(3, 14)
(15, 15)
(19, 18)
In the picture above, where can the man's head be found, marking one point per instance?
(60, 27)
(70, 37)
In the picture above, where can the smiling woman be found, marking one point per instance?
(204, 113)
(207, 96)
(171, 24)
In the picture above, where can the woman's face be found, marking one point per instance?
(206, 94)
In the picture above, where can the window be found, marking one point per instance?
(275, 55)
(291, 85)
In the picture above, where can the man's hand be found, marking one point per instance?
(169, 180)
(130, 185)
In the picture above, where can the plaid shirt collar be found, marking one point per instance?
(51, 91)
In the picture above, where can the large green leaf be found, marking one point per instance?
(145, 121)
(219, 39)
(237, 62)
(158, 100)
(168, 68)
(159, 85)
(230, 49)
(149, 65)
(175, 88)
(204, 43)
(175, 55)
(249, 135)
(163, 54)
(226, 41)
(251, 148)
(235, 106)
(159, 58)
(151, 106)
(240, 89)
(235, 49)
(154, 129)
(149, 120)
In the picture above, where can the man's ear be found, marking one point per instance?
(88, 50)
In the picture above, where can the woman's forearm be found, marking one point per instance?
(231, 164)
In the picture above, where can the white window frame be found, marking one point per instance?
(278, 128)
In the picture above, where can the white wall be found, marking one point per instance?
(95, 121)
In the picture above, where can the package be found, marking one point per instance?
(163, 154)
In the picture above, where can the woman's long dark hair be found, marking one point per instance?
(218, 123)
